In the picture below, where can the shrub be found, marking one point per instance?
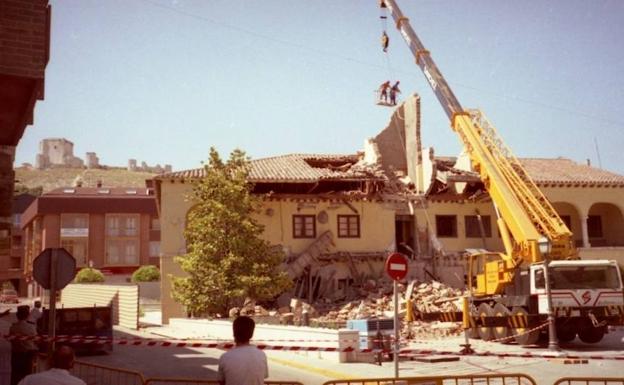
(89, 275)
(148, 273)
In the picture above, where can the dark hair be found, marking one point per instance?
(63, 357)
(22, 312)
(243, 329)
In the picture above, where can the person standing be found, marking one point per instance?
(22, 351)
(62, 362)
(35, 313)
(393, 93)
(383, 91)
(245, 364)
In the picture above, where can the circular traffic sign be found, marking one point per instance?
(396, 266)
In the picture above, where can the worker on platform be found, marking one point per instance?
(393, 93)
(383, 91)
(385, 41)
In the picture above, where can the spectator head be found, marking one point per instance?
(243, 329)
(37, 304)
(63, 357)
(22, 312)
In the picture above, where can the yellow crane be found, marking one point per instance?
(508, 284)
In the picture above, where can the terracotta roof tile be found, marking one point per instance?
(566, 171)
(556, 171)
(294, 168)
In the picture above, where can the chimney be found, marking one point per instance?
(588, 162)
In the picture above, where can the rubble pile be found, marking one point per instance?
(371, 299)
(376, 301)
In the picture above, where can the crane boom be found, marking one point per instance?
(525, 216)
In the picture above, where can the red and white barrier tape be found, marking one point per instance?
(509, 338)
(185, 344)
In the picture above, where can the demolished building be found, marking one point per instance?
(338, 216)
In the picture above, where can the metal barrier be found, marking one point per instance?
(190, 381)
(95, 374)
(489, 379)
(590, 381)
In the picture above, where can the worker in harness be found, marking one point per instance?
(385, 41)
(393, 93)
(383, 91)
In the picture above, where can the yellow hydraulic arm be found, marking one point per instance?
(524, 214)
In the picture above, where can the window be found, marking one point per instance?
(594, 226)
(155, 223)
(122, 252)
(304, 226)
(112, 226)
(473, 229)
(154, 247)
(74, 221)
(17, 219)
(348, 226)
(446, 226)
(118, 225)
(78, 248)
(131, 226)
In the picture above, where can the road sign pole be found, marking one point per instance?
(52, 313)
(396, 329)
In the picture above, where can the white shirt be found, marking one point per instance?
(243, 365)
(52, 376)
(35, 314)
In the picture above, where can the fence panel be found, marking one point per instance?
(124, 299)
(590, 381)
(489, 379)
(94, 374)
(190, 381)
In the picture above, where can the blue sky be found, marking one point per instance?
(162, 80)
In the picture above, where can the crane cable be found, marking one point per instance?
(383, 18)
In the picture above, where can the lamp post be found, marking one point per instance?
(544, 248)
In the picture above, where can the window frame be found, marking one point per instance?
(454, 232)
(348, 217)
(303, 234)
(487, 226)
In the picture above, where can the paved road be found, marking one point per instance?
(308, 369)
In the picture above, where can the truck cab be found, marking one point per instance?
(586, 296)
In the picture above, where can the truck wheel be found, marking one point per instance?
(485, 332)
(565, 334)
(520, 333)
(501, 310)
(591, 335)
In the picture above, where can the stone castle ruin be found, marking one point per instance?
(158, 169)
(59, 152)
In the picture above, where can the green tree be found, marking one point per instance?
(226, 260)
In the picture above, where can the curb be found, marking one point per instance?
(312, 369)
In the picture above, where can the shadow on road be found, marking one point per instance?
(154, 361)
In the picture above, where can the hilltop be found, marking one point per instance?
(49, 179)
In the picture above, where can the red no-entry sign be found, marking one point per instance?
(396, 266)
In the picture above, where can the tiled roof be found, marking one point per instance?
(566, 171)
(296, 168)
(558, 171)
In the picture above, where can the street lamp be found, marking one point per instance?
(544, 246)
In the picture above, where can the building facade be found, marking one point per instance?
(337, 216)
(112, 229)
(24, 54)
